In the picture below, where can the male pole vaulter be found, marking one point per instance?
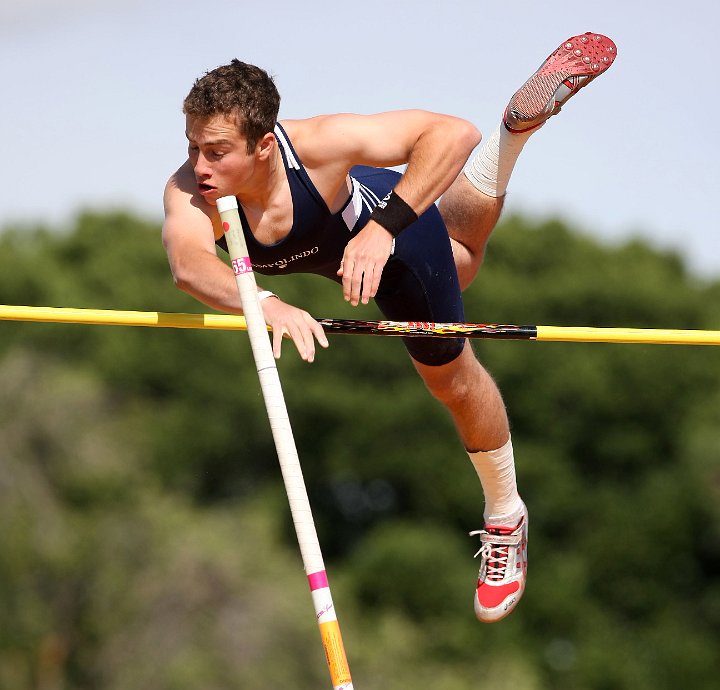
(315, 196)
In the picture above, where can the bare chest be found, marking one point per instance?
(272, 224)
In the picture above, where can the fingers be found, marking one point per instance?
(301, 337)
(304, 340)
(302, 329)
(319, 334)
(277, 336)
(363, 262)
(360, 285)
(371, 284)
(354, 284)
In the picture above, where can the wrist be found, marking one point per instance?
(394, 214)
(264, 294)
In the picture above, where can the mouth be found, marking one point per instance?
(206, 189)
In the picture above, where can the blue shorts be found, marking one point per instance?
(420, 281)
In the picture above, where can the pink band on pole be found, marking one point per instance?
(241, 265)
(318, 580)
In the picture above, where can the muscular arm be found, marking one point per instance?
(189, 240)
(435, 148)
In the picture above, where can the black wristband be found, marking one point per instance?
(393, 214)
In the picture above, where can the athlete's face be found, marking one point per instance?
(218, 154)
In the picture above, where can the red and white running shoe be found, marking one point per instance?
(503, 569)
(572, 66)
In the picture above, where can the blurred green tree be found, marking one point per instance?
(146, 540)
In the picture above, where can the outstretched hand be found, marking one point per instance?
(363, 262)
(295, 323)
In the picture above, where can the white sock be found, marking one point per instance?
(492, 167)
(496, 470)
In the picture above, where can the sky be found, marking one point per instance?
(91, 116)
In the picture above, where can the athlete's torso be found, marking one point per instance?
(419, 281)
(316, 241)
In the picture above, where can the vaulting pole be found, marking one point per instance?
(285, 446)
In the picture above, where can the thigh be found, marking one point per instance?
(470, 217)
(420, 283)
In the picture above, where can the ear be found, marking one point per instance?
(265, 146)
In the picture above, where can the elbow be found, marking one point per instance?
(184, 284)
(458, 130)
(461, 136)
(181, 283)
(469, 135)
(182, 278)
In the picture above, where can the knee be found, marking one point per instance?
(467, 262)
(451, 392)
(452, 383)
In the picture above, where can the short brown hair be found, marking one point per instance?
(237, 90)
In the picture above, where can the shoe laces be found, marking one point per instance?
(495, 552)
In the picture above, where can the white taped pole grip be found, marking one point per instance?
(245, 279)
(270, 384)
(285, 444)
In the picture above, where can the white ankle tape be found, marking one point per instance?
(496, 471)
(490, 170)
(482, 170)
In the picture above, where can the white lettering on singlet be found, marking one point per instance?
(283, 263)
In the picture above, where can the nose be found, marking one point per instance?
(201, 166)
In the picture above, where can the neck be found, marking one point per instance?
(268, 178)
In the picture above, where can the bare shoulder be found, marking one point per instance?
(325, 138)
(187, 214)
(381, 139)
(305, 134)
(182, 186)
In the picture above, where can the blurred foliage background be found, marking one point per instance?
(145, 538)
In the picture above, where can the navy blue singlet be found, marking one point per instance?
(419, 281)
